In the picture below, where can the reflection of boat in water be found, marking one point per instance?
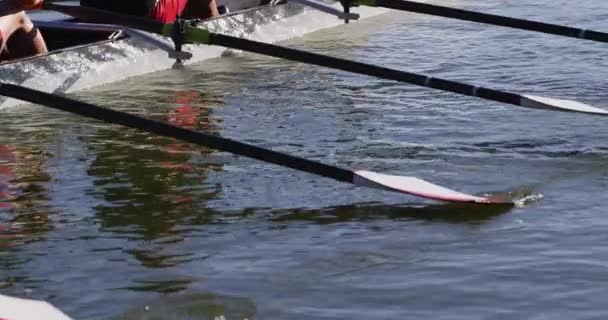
(23, 196)
(7, 159)
(138, 176)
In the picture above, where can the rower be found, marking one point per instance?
(18, 35)
(165, 11)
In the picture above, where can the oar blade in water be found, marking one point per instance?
(536, 102)
(417, 187)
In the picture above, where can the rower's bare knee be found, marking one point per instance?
(24, 22)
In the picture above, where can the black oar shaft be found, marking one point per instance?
(492, 19)
(363, 68)
(167, 130)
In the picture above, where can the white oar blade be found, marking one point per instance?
(24, 309)
(536, 102)
(416, 187)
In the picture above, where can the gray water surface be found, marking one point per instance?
(109, 223)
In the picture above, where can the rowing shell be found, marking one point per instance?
(97, 57)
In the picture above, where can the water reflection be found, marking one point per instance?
(160, 286)
(200, 306)
(451, 213)
(24, 198)
(151, 186)
(25, 211)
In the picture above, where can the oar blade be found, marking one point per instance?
(418, 187)
(25, 309)
(536, 102)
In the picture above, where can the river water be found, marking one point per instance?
(109, 223)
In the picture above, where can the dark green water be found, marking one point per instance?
(109, 223)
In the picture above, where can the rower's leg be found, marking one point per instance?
(25, 43)
(213, 9)
(33, 36)
(202, 9)
(7, 27)
(20, 36)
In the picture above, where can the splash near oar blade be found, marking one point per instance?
(491, 19)
(417, 187)
(24, 309)
(409, 185)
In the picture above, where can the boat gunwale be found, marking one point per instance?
(242, 11)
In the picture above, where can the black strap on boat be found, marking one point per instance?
(177, 36)
(346, 4)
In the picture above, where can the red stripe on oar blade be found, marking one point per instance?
(416, 187)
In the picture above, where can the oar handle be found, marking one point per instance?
(167, 130)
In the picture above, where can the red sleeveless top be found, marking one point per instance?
(167, 10)
(160, 10)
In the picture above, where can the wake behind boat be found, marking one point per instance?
(83, 55)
